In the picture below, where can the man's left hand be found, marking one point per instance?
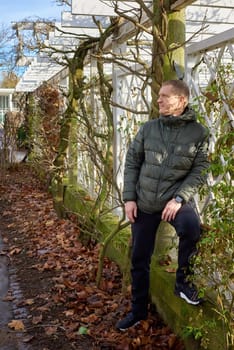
(170, 210)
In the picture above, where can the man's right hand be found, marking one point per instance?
(131, 210)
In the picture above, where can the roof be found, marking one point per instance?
(209, 18)
(207, 22)
(6, 92)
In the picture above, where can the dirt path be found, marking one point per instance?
(49, 299)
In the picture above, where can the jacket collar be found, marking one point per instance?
(187, 116)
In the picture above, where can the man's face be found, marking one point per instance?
(169, 102)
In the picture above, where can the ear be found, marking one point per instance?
(183, 100)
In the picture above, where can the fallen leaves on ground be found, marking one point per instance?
(57, 276)
(17, 325)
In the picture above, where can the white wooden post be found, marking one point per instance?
(117, 113)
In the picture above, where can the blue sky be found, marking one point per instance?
(17, 10)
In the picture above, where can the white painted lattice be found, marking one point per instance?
(131, 104)
(135, 111)
(206, 69)
(209, 46)
(129, 111)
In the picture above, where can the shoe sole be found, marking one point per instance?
(125, 329)
(189, 301)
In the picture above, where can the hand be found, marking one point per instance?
(131, 211)
(170, 210)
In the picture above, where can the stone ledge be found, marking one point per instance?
(178, 314)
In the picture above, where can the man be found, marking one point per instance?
(165, 165)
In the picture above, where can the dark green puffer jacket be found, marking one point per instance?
(168, 157)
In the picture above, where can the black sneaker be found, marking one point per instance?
(189, 293)
(129, 321)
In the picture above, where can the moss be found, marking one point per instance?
(179, 315)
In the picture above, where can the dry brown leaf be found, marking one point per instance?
(43, 308)
(69, 312)
(49, 222)
(51, 330)
(27, 338)
(8, 297)
(166, 260)
(89, 319)
(145, 325)
(46, 266)
(69, 284)
(136, 342)
(29, 301)
(171, 270)
(6, 213)
(15, 250)
(17, 325)
(171, 341)
(87, 198)
(37, 319)
(82, 295)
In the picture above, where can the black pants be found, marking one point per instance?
(187, 226)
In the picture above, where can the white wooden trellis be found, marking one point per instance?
(212, 46)
(203, 63)
(129, 95)
(88, 174)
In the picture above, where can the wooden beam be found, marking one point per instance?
(180, 4)
(82, 21)
(211, 43)
(103, 8)
(75, 32)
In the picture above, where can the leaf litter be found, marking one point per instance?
(56, 274)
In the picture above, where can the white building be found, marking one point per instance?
(6, 103)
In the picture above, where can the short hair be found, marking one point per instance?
(178, 86)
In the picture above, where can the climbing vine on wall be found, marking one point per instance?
(44, 118)
(216, 248)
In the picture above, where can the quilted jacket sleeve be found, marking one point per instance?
(133, 162)
(198, 174)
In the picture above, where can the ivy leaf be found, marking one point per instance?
(83, 330)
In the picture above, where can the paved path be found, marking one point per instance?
(9, 340)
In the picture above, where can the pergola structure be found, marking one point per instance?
(205, 19)
(209, 44)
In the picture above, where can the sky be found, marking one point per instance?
(17, 10)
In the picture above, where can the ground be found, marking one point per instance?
(52, 292)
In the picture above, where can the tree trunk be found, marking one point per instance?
(168, 34)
